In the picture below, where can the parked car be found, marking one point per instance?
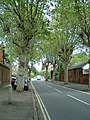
(41, 78)
(14, 82)
(38, 77)
(34, 78)
(26, 85)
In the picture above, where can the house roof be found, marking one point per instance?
(80, 65)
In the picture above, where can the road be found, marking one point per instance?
(63, 103)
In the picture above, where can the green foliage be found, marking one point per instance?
(24, 19)
(6, 57)
(60, 69)
(82, 9)
(43, 72)
(78, 58)
(58, 34)
(35, 72)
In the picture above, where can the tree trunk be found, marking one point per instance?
(21, 74)
(54, 72)
(29, 73)
(46, 72)
(89, 76)
(51, 74)
(65, 72)
(20, 80)
(89, 71)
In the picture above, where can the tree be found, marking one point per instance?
(65, 31)
(27, 23)
(83, 13)
(74, 15)
(78, 57)
(49, 50)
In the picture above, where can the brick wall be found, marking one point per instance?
(4, 70)
(1, 56)
(4, 74)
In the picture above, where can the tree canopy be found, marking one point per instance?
(49, 28)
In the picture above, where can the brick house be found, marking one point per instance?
(78, 73)
(4, 69)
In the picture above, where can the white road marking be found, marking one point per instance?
(42, 106)
(50, 83)
(48, 86)
(57, 90)
(78, 99)
(88, 93)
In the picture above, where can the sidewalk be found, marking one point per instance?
(24, 104)
(76, 86)
(22, 107)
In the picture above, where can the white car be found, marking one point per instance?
(34, 79)
(42, 78)
(38, 77)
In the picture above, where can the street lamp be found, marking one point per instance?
(11, 34)
(89, 68)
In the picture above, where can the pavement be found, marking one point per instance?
(23, 105)
(77, 86)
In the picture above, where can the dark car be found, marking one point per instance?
(26, 84)
(14, 82)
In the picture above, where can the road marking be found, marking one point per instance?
(57, 90)
(50, 83)
(88, 93)
(78, 99)
(42, 106)
(49, 86)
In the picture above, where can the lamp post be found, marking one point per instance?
(89, 68)
(11, 38)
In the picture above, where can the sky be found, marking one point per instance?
(38, 66)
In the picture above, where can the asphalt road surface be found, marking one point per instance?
(64, 103)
